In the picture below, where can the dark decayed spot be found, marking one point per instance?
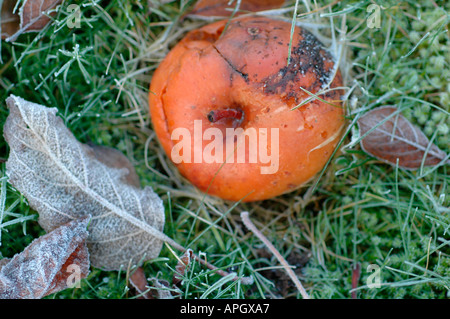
(308, 56)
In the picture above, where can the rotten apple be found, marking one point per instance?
(223, 105)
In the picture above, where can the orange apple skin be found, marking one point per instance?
(244, 65)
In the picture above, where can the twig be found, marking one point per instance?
(248, 223)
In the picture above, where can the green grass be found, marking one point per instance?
(360, 211)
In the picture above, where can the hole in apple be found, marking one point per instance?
(230, 117)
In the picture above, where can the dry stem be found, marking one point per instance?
(248, 223)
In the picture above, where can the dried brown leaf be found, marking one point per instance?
(182, 266)
(162, 289)
(10, 22)
(225, 8)
(63, 179)
(49, 264)
(139, 281)
(32, 16)
(396, 138)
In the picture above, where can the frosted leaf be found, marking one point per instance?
(181, 269)
(389, 139)
(51, 263)
(139, 281)
(33, 15)
(9, 21)
(64, 180)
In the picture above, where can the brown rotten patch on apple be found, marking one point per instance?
(236, 76)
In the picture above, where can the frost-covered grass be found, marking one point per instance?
(360, 212)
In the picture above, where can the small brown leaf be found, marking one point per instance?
(396, 138)
(139, 281)
(32, 16)
(226, 7)
(49, 264)
(162, 290)
(9, 21)
(182, 266)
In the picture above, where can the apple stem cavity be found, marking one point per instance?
(217, 115)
